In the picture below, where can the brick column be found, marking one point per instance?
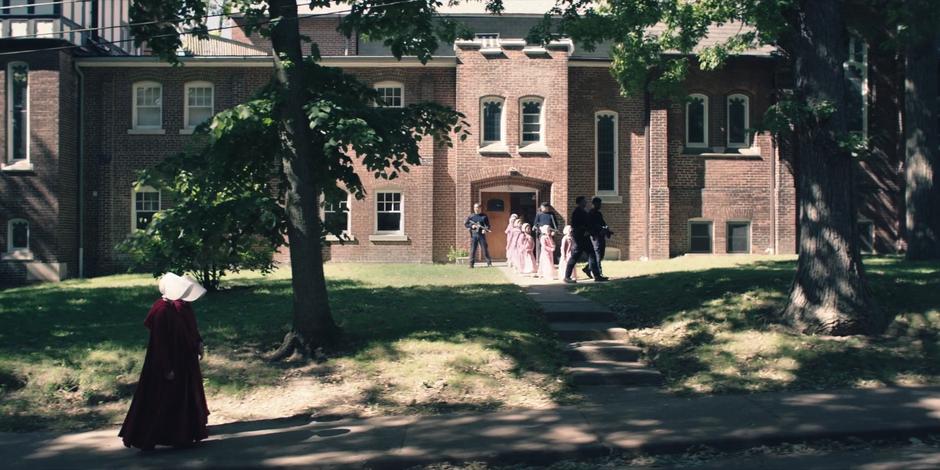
(658, 223)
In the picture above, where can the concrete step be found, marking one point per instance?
(613, 373)
(589, 351)
(570, 315)
(576, 332)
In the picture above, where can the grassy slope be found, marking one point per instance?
(419, 339)
(710, 325)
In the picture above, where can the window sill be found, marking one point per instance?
(22, 165)
(344, 239)
(146, 131)
(19, 255)
(379, 237)
(187, 131)
(534, 149)
(497, 148)
(611, 198)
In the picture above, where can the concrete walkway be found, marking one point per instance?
(612, 420)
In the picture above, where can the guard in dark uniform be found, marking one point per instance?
(599, 232)
(546, 216)
(582, 242)
(478, 224)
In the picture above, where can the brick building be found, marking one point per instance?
(87, 111)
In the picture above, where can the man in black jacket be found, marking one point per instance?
(478, 224)
(580, 226)
(600, 232)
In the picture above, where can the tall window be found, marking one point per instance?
(531, 120)
(605, 131)
(738, 121)
(17, 236)
(700, 236)
(148, 105)
(200, 103)
(739, 237)
(17, 112)
(492, 111)
(856, 72)
(146, 203)
(696, 121)
(388, 211)
(391, 94)
(336, 215)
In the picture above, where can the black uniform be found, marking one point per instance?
(599, 233)
(478, 224)
(543, 218)
(580, 232)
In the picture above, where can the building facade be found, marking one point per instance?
(85, 113)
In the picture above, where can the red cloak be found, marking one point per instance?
(168, 412)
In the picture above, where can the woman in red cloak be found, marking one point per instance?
(169, 406)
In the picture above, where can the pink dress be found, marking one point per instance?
(529, 244)
(511, 234)
(518, 251)
(547, 258)
(567, 247)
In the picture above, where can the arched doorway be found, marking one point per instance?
(505, 197)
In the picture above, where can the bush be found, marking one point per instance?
(456, 253)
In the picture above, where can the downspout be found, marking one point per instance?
(648, 123)
(775, 197)
(81, 169)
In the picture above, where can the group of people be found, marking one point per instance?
(531, 248)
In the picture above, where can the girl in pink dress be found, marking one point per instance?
(518, 248)
(510, 235)
(547, 255)
(567, 246)
(528, 244)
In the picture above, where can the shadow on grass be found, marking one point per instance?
(718, 330)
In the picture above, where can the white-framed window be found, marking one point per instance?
(487, 40)
(696, 121)
(738, 236)
(200, 103)
(148, 105)
(700, 236)
(491, 117)
(605, 152)
(17, 236)
(391, 94)
(739, 120)
(866, 236)
(17, 112)
(856, 72)
(531, 120)
(336, 215)
(389, 213)
(145, 202)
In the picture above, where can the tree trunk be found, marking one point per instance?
(313, 324)
(921, 194)
(830, 293)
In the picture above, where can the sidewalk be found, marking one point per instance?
(613, 419)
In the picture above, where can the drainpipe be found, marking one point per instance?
(648, 122)
(775, 198)
(81, 169)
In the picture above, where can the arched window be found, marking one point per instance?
(532, 123)
(491, 112)
(605, 152)
(17, 236)
(391, 94)
(739, 110)
(17, 112)
(200, 103)
(696, 121)
(148, 105)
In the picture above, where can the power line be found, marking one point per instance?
(60, 2)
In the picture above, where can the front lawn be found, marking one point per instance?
(420, 339)
(710, 325)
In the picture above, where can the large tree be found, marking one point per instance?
(323, 119)
(655, 43)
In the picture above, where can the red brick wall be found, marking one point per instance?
(321, 30)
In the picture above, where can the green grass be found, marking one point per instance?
(418, 338)
(710, 325)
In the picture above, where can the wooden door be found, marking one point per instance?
(496, 207)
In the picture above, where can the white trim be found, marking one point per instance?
(523, 145)
(711, 234)
(750, 236)
(265, 61)
(502, 121)
(134, 126)
(616, 169)
(747, 121)
(705, 121)
(9, 161)
(14, 252)
(375, 211)
(196, 84)
(143, 189)
(391, 84)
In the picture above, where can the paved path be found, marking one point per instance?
(612, 420)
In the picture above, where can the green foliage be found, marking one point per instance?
(456, 253)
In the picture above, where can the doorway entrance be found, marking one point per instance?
(499, 204)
